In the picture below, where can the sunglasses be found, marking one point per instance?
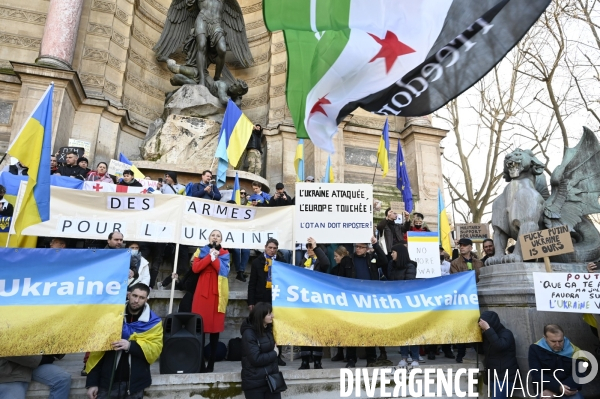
(242, 193)
(311, 181)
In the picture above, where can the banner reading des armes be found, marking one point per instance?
(61, 301)
(318, 309)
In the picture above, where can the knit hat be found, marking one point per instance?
(396, 248)
(82, 159)
(172, 175)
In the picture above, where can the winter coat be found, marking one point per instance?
(280, 201)
(206, 296)
(397, 272)
(460, 265)
(556, 368)
(345, 268)
(199, 191)
(18, 368)
(255, 141)
(380, 263)
(499, 349)
(392, 232)
(322, 262)
(72, 171)
(133, 183)
(257, 285)
(258, 356)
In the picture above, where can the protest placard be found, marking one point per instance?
(477, 232)
(80, 143)
(424, 248)
(116, 168)
(61, 157)
(545, 243)
(333, 212)
(567, 292)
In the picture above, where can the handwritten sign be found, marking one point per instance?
(63, 151)
(424, 248)
(567, 292)
(475, 231)
(542, 243)
(116, 168)
(80, 144)
(333, 212)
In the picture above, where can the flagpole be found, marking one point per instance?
(374, 172)
(172, 280)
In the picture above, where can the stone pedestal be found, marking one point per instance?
(508, 290)
(60, 33)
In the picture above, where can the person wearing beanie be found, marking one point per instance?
(82, 162)
(281, 198)
(170, 185)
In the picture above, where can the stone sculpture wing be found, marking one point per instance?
(178, 25)
(233, 24)
(575, 184)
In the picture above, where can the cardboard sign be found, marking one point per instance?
(116, 168)
(542, 243)
(567, 292)
(477, 232)
(81, 144)
(397, 206)
(424, 248)
(63, 151)
(333, 212)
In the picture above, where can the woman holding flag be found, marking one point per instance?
(211, 262)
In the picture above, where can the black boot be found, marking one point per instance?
(280, 361)
(339, 356)
(305, 363)
(240, 276)
(318, 363)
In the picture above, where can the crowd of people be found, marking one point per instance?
(384, 257)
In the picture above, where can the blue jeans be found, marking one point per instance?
(240, 258)
(504, 393)
(414, 352)
(57, 379)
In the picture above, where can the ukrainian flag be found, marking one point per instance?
(443, 224)
(328, 178)
(233, 138)
(32, 147)
(383, 153)
(299, 160)
(136, 172)
(235, 195)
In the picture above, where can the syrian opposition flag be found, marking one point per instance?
(114, 188)
(390, 57)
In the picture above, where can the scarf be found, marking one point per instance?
(268, 264)
(223, 282)
(567, 350)
(310, 263)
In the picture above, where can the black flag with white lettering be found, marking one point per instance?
(476, 35)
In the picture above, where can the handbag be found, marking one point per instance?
(276, 382)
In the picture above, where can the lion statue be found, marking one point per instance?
(526, 206)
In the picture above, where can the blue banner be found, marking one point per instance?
(61, 301)
(319, 309)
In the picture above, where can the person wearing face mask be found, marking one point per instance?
(6, 208)
(141, 264)
(100, 174)
(211, 262)
(417, 224)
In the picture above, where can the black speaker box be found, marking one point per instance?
(183, 343)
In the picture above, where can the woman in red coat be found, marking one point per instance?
(211, 262)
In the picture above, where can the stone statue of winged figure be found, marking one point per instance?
(206, 28)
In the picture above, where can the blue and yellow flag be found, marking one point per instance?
(235, 195)
(383, 153)
(136, 172)
(32, 147)
(233, 138)
(443, 224)
(299, 160)
(328, 178)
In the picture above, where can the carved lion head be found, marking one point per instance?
(521, 161)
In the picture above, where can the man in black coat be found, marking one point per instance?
(500, 355)
(281, 198)
(71, 169)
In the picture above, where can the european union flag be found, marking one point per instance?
(402, 181)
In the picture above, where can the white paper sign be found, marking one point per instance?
(116, 168)
(567, 292)
(333, 212)
(80, 143)
(424, 248)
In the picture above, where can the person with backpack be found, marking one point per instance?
(259, 352)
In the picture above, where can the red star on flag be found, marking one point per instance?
(318, 107)
(391, 49)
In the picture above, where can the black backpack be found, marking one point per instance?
(234, 350)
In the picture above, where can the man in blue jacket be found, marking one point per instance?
(552, 357)
(206, 189)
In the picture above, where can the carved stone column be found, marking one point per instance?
(60, 33)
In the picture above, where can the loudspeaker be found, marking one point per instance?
(183, 343)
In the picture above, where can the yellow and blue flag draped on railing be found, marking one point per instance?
(32, 147)
(223, 273)
(319, 309)
(233, 138)
(299, 160)
(136, 172)
(402, 181)
(235, 195)
(383, 153)
(328, 178)
(75, 297)
(443, 224)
